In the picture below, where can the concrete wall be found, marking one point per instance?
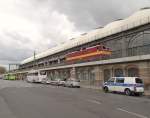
(94, 75)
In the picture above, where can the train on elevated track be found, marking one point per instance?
(89, 53)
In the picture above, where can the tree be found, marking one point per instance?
(2, 70)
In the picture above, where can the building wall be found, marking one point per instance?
(94, 76)
(63, 74)
(124, 44)
(129, 43)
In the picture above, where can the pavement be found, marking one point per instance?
(146, 92)
(19, 99)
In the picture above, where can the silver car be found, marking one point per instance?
(73, 83)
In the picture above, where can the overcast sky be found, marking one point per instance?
(28, 25)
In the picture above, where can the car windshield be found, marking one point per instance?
(111, 80)
(138, 80)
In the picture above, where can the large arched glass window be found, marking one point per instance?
(146, 38)
(146, 42)
(135, 44)
(136, 40)
(82, 74)
(118, 72)
(133, 72)
(114, 45)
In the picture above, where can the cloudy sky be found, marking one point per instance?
(28, 25)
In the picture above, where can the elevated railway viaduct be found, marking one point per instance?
(128, 40)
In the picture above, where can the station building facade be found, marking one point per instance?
(128, 39)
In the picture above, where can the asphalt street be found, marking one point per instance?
(19, 99)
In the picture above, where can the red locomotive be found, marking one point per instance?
(88, 53)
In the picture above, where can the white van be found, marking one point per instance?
(37, 76)
(127, 85)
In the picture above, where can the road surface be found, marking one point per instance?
(19, 99)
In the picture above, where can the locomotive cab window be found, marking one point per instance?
(104, 47)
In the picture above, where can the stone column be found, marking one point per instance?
(98, 79)
(101, 72)
(73, 73)
(144, 72)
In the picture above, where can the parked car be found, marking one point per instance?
(58, 82)
(47, 81)
(62, 83)
(73, 83)
(127, 85)
(54, 82)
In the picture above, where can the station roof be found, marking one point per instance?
(137, 19)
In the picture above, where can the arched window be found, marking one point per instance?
(82, 74)
(146, 38)
(133, 72)
(136, 41)
(118, 72)
(107, 74)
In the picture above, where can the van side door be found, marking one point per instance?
(119, 84)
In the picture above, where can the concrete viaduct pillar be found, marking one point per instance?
(73, 73)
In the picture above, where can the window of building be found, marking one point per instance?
(118, 72)
(136, 40)
(146, 38)
(133, 72)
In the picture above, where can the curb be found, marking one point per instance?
(147, 93)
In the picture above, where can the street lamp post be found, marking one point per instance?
(34, 60)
